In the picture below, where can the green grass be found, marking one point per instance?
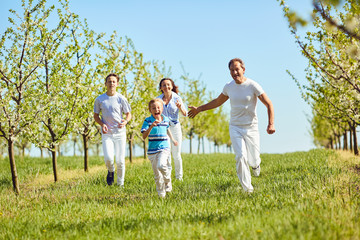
(302, 195)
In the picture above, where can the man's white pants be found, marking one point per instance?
(246, 144)
(114, 145)
(162, 175)
(175, 130)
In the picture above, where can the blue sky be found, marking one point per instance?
(204, 35)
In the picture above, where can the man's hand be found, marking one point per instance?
(193, 112)
(270, 129)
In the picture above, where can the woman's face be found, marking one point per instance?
(166, 86)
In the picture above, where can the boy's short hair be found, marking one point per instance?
(112, 75)
(155, 100)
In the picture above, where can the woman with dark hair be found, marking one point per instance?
(173, 104)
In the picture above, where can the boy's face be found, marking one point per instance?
(156, 109)
(111, 83)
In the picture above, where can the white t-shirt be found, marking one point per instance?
(112, 109)
(171, 110)
(243, 98)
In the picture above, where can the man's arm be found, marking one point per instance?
(210, 105)
(270, 109)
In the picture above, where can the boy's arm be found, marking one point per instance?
(98, 120)
(146, 133)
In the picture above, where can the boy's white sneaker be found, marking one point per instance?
(256, 171)
(168, 187)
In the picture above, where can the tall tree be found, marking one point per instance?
(23, 50)
(64, 67)
(332, 75)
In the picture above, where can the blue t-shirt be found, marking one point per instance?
(158, 138)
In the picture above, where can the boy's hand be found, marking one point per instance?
(175, 143)
(155, 123)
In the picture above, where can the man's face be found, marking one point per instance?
(156, 109)
(237, 72)
(111, 83)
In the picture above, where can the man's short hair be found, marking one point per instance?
(237, 60)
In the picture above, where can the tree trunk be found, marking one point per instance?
(198, 150)
(14, 176)
(98, 149)
(59, 150)
(130, 150)
(22, 152)
(345, 145)
(331, 143)
(145, 149)
(190, 144)
(74, 154)
(356, 149)
(203, 145)
(351, 140)
(54, 162)
(86, 153)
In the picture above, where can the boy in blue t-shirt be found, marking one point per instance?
(156, 127)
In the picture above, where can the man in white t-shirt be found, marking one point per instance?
(113, 106)
(244, 133)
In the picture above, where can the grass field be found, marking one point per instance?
(301, 195)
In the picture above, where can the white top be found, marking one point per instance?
(171, 110)
(243, 99)
(112, 109)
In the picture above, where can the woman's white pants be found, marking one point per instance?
(162, 174)
(175, 130)
(114, 145)
(246, 144)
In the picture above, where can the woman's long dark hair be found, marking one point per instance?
(175, 88)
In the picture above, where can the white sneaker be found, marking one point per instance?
(256, 171)
(168, 187)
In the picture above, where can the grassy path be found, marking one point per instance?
(303, 195)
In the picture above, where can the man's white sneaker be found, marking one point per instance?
(256, 171)
(168, 187)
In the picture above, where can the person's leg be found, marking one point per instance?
(252, 139)
(108, 151)
(176, 150)
(120, 144)
(242, 167)
(164, 170)
(159, 182)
